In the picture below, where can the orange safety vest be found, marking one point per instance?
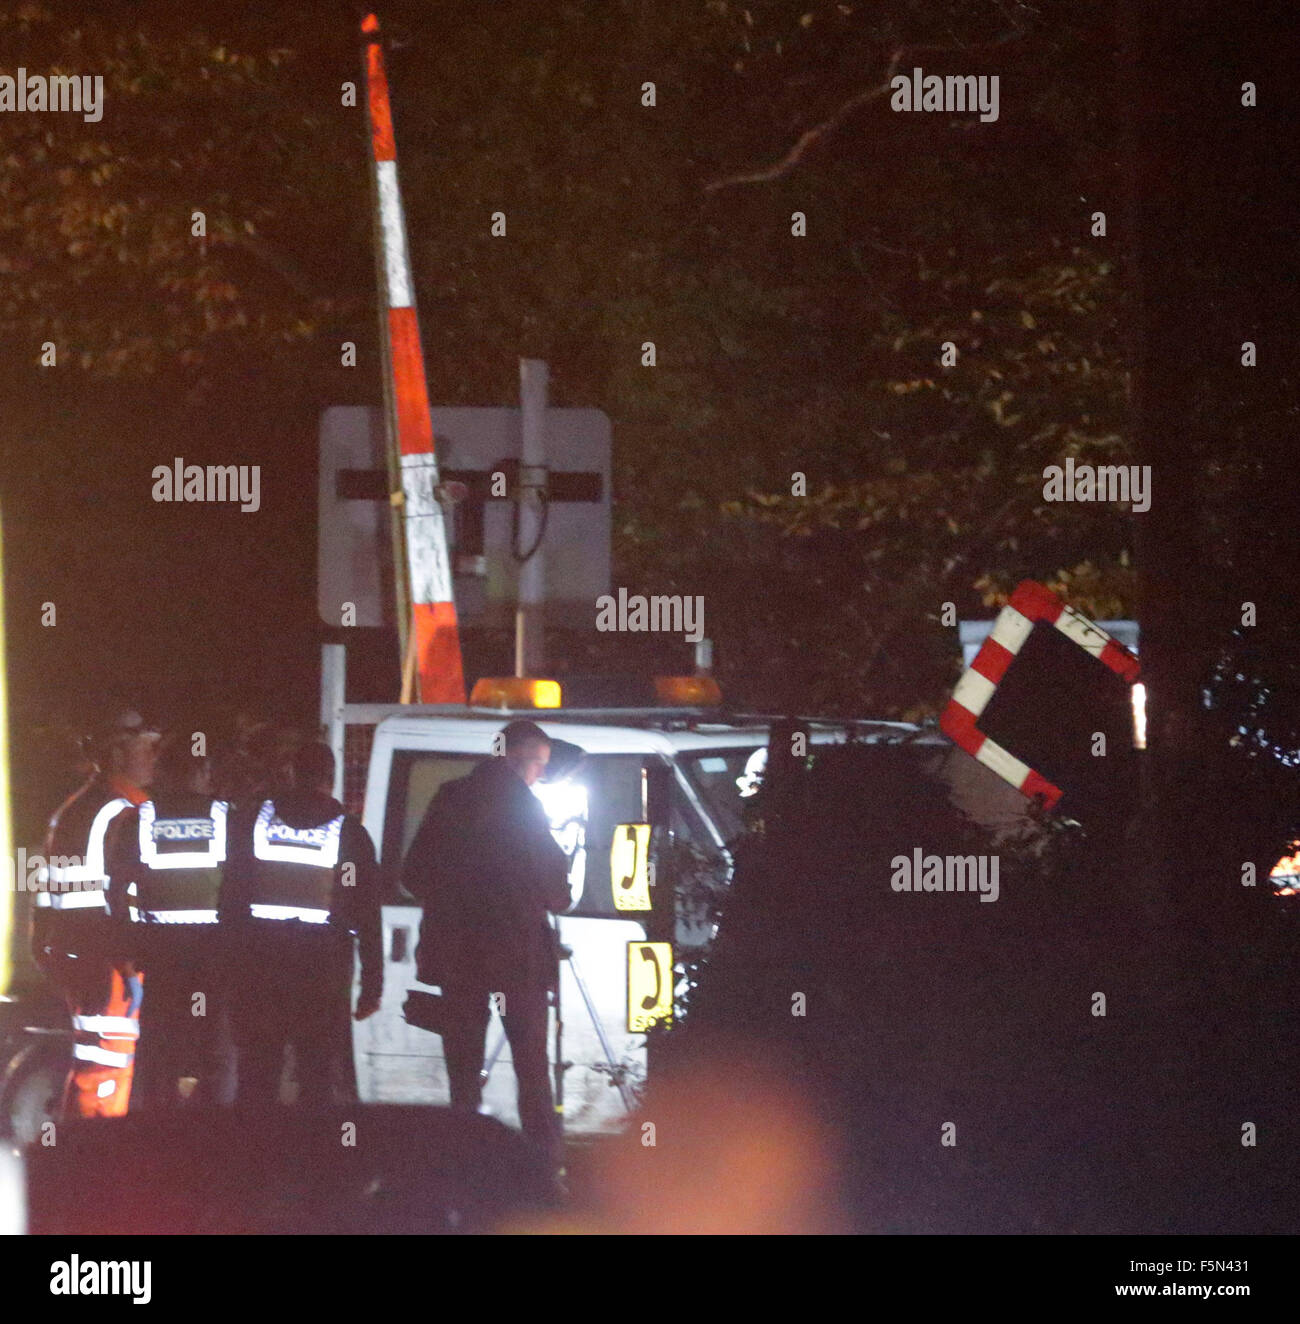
(105, 1030)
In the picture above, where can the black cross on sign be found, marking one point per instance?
(476, 491)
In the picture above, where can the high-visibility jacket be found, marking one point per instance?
(71, 937)
(73, 875)
(181, 855)
(70, 906)
(293, 868)
(302, 858)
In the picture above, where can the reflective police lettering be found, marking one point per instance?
(275, 840)
(210, 831)
(277, 831)
(184, 829)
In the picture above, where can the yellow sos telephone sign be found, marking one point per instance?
(649, 985)
(629, 866)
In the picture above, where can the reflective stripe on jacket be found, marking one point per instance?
(88, 877)
(180, 865)
(294, 868)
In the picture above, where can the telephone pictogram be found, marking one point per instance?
(650, 999)
(629, 866)
(649, 985)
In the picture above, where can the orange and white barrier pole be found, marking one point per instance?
(435, 636)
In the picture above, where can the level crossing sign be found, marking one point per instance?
(1047, 702)
(480, 471)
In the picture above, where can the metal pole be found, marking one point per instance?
(615, 1068)
(530, 650)
(657, 790)
(333, 692)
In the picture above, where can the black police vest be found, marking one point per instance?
(181, 858)
(293, 869)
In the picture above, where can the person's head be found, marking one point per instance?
(180, 769)
(271, 749)
(528, 749)
(128, 747)
(313, 768)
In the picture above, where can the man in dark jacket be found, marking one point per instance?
(488, 871)
(300, 883)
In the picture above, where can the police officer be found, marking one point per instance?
(488, 871)
(300, 883)
(164, 865)
(73, 939)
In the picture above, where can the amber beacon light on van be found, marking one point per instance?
(687, 691)
(515, 692)
(534, 692)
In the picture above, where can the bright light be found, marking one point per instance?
(13, 1192)
(1288, 868)
(1139, 716)
(6, 825)
(565, 803)
(749, 782)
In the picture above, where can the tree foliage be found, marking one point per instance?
(630, 223)
(100, 253)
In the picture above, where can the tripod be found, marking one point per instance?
(617, 1072)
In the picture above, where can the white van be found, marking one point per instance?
(713, 761)
(394, 759)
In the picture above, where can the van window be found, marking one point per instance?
(414, 780)
(720, 777)
(612, 786)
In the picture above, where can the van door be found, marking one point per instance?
(399, 1063)
(609, 1061)
(395, 1062)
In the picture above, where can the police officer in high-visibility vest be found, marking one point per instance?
(73, 939)
(301, 882)
(164, 864)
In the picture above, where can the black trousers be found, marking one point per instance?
(294, 989)
(464, 1043)
(187, 1036)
